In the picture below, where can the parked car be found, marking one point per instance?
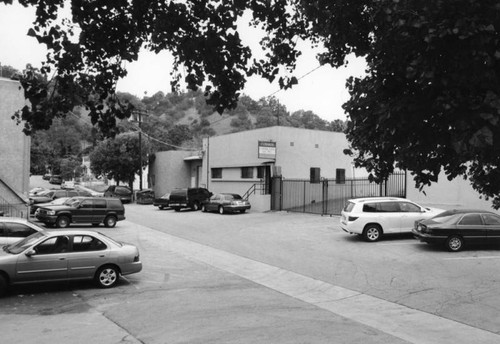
(188, 198)
(92, 192)
(226, 203)
(50, 195)
(375, 216)
(68, 184)
(36, 191)
(144, 196)
(458, 227)
(13, 229)
(124, 193)
(57, 201)
(162, 202)
(94, 210)
(56, 179)
(67, 255)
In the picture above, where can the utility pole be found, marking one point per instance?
(140, 150)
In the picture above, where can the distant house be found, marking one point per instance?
(14, 151)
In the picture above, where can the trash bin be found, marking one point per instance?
(145, 196)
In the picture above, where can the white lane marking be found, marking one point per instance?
(468, 258)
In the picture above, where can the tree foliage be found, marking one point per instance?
(119, 158)
(430, 100)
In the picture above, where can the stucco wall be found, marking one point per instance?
(446, 194)
(14, 145)
(170, 171)
(297, 150)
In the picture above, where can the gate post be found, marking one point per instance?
(325, 197)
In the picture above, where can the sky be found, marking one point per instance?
(321, 90)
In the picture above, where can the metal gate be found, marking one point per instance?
(329, 196)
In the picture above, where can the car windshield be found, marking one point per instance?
(22, 245)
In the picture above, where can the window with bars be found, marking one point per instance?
(247, 172)
(216, 173)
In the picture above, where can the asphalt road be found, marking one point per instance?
(267, 278)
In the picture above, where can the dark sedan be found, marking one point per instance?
(226, 202)
(162, 202)
(455, 228)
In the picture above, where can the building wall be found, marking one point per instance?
(170, 170)
(446, 194)
(297, 150)
(14, 145)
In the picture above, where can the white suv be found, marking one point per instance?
(372, 217)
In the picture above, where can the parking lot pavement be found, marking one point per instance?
(398, 322)
(190, 292)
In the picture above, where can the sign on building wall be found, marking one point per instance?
(267, 150)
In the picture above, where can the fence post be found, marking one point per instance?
(325, 197)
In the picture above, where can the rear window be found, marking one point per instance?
(348, 207)
(178, 192)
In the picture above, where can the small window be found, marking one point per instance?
(100, 203)
(316, 145)
(292, 144)
(491, 220)
(86, 204)
(261, 172)
(388, 207)
(217, 173)
(471, 220)
(82, 243)
(340, 176)
(408, 207)
(247, 172)
(370, 208)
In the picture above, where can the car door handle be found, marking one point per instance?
(62, 258)
(102, 256)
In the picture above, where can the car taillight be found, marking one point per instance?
(136, 259)
(352, 218)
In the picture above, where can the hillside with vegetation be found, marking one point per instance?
(169, 121)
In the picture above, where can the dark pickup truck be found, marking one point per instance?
(188, 198)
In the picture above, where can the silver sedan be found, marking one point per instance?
(67, 255)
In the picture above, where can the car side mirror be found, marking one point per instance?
(30, 253)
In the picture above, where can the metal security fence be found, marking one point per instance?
(329, 196)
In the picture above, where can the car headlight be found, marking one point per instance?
(51, 212)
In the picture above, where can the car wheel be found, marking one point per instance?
(160, 207)
(203, 208)
(110, 221)
(454, 243)
(107, 276)
(3, 285)
(177, 209)
(62, 222)
(221, 210)
(242, 210)
(372, 233)
(196, 206)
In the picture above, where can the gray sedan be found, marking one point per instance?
(14, 229)
(226, 203)
(62, 255)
